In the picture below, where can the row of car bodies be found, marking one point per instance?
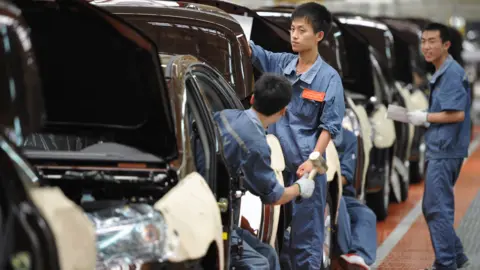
(129, 89)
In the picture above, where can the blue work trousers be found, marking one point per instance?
(438, 209)
(303, 248)
(256, 254)
(357, 229)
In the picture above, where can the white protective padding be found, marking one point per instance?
(74, 233)
(278, 165)
(193, 219)
(419, 100)
(333, 162)
(384, 128)
(366, 137)
(334, 168)
(410, 107)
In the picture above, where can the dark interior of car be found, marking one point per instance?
(99, 77)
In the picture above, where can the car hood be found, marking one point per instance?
(100, 77)
(21, 103)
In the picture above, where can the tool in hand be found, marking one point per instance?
(319, 166)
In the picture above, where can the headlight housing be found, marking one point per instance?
(350, 122)
(128, 235)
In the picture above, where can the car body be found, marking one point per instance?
(129, 153)
(407, 68)
(183, 28)
(380, 38)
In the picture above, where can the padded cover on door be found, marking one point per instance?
(278, 165)
(74, 233)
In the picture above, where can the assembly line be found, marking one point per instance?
(201, 134)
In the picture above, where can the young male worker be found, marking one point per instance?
(313, 117)
(447, 139)
(246, 149)
(357, 224)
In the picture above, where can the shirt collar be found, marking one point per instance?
(307, 76)
(254, 118)
(442, 69)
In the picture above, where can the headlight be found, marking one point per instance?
(350, 122)
(128, 235)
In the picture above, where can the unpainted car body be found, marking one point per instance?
(129, 71)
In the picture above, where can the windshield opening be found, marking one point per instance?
(202, 40)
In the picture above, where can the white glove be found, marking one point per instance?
(418, 118)
(306, 186)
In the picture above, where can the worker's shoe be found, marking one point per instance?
(353, 262)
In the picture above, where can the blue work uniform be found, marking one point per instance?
(447, 146)
(246, 150)
(317, 104)
(357, 223)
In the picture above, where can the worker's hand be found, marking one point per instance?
(306, 186)
(305, 168)
(417, 118)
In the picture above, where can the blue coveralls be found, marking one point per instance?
(357, 224)
(246, 149)
(447, 146)
(298, 132)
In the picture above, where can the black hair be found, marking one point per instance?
(271, 93)
(443, 29)
(315, 14)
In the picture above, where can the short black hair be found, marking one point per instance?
(271, 93)
(443, 29)
(315, 14)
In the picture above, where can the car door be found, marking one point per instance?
(204, 143)
(262, 220)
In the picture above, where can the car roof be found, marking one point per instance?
(171, 8)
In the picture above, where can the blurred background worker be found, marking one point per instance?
(246, 150)
(357, 224)
(313, 117)
(447, 140)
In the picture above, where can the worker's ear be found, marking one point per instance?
(252, 99)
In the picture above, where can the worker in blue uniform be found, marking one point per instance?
(313, 117)
(357, 224)
(246, 150)
(447, 139)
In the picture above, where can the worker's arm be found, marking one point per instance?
(446, 117)
(261, 180)
(268, 61)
